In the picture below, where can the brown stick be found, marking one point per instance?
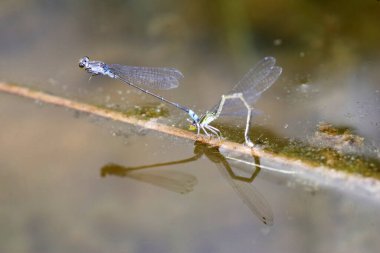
(118, 116)
(357, 183)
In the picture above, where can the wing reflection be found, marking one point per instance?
(175, 181)
(239, 176)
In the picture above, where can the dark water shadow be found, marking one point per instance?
(181, 182)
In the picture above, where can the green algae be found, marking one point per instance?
(145, 112)
(335, 147)
(148, 111)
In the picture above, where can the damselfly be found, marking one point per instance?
(248, 90)
(157, 78)
(243, 95)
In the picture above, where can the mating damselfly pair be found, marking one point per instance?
(243, 95)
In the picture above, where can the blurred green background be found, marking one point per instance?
(328, 50)
(52, 196)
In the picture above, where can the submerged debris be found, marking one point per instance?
(339, 139)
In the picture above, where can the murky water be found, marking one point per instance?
(59, 190)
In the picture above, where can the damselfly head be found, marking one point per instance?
(84, 62)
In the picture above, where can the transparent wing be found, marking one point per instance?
(250, 196)
(254, 200)
(235, 108)
(241, 114)
(171, 180)
(156, 78)
(252, 85)
(258, 79)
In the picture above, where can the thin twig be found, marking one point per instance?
(359, 184)
(150, 124)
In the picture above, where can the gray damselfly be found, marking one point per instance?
(248, 90)
(157, 78)
(245, 93)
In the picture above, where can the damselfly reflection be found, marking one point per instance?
(242, 185)
(175, 181)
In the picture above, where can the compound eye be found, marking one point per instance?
(83, 62)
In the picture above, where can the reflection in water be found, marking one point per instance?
(174, 181)
(239, 179)
(247, 191)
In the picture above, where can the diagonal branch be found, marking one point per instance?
(319, 173)
(119, 116)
